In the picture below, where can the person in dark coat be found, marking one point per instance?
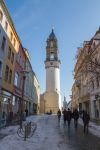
(59, 115)
(65, 115)
(75, 117)
(26, 111)
(69, 116)
(86, 119)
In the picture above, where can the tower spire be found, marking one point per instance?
(52, 35)
(53, 29)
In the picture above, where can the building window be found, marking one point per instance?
(21, 84)
(1, 15)
(14, 42)
(6, 73)
(10, 76)
(23, 64)
(3, 43)
(92, 85)
(97, 80)
(12, 58)
(96, 109)
(11, 36)
(51, 63)
(20, 60)
(0, 68)
(9, 53)
(16, 82)
(13, 100)
(6, 25)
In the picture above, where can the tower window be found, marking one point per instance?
(51, 56)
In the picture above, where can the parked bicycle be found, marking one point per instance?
(27, 130)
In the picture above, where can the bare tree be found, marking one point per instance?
(91, 55)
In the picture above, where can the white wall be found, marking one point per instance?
(53, 79)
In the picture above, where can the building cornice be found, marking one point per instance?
(3, 4)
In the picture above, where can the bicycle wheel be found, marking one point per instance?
(33, 128)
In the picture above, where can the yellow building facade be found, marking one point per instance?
(9, 47)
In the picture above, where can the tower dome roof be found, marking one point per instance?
(52, 35)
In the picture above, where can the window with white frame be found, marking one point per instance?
(16, 79)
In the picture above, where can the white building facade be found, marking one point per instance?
(86, 88)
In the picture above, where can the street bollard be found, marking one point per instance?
(27, 130)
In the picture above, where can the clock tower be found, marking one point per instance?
(52, 95)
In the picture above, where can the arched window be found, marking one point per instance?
(1, 15)
(52, 56)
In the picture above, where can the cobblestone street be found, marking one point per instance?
(77, 139)
(49, 135)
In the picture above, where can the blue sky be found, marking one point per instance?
(74, 21)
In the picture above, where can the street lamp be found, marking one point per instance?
(22, 98)
(21, 102)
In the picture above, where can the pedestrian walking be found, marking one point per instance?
(69, 117)
(59, 115)
(75, 117)
(26, 111)
(86, 119)
(64, 115)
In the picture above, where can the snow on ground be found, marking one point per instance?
(93, 128)
(46, 136)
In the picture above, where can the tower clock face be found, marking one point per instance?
(51, 56)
